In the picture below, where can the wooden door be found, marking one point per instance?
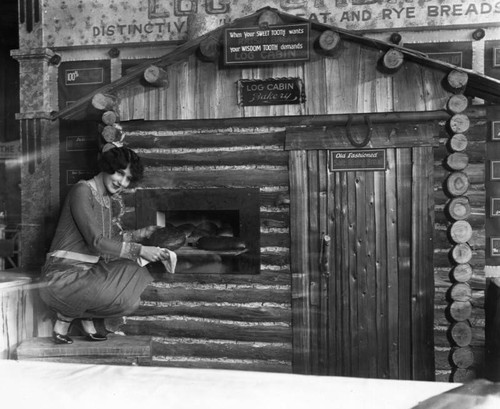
(363, 300)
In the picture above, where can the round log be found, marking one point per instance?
(328, 42)
(156, 76)
(460, 310)
(461, 231)
(458, 142)
(459, 123)
(461, 253)
(462, 375)
(109, 117)
(269, 18)
(462, 357)
(462, 273)
(457, 103)
(461, 333)
(110, 133)
(457, 183)
(457, 80)
(457, 161)
(104, 102)
(459, 208)
(460, 292)
(392, 60)
(208, 49)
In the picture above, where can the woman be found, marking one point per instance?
(92, 268)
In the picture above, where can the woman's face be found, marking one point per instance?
(118, 181)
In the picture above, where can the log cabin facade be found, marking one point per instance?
(366, 267)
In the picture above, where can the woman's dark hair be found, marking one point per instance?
(118, 158)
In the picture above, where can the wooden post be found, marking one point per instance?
(208, 49)
(459, 208)
(461, 231)
(457, 81)
(457, 161)
(462, 273)
(156, 76)
(457, 104)
(392, 61)
(459, 123)
(328, 43)
(110, 133)
(458, 142)
(104, 102)
(109, 117)
(457, 183)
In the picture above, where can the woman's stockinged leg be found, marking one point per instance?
(61, 327)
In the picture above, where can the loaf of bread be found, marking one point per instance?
(220, 243)
(171, 238)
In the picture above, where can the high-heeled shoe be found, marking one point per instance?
(78, 326)
(100, 327)
(61, 338)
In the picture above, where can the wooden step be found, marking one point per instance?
(232, 364)
(117, 350)
(221, 349)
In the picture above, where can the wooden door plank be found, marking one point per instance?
(408, 88)
(392, 264)
(371, 284)
(323, 213)
(381, 277)
(361, 270)
(299, 263)
(351, 268)
(314, 78)
(422, 277)
(313, 252)
(342, 79)
(334, 283)
(404, 206)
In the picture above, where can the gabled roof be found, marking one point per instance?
(479, 85)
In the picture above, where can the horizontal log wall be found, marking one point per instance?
(220, 321)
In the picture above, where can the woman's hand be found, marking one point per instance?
(152, 253)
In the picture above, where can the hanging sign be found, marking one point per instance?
(80, 143)
(271, 91)
(10, 150)
(75, 175)
(270, 45)
(84, 76)
(366, 159)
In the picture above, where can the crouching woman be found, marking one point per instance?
(91, 271)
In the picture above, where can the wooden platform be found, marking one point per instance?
(117, 350)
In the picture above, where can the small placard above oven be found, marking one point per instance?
(271, 91)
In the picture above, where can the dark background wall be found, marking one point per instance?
(10, 177)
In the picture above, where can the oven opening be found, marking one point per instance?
(222, 227)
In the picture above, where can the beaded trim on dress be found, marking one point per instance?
(102, 200)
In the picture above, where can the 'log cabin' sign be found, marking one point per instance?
(345, 160)
(276, 43)
(271, 91)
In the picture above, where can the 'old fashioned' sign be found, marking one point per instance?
(369, 159)
(266, 45)
(271, 91)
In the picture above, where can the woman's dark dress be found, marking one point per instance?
(91, 270)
